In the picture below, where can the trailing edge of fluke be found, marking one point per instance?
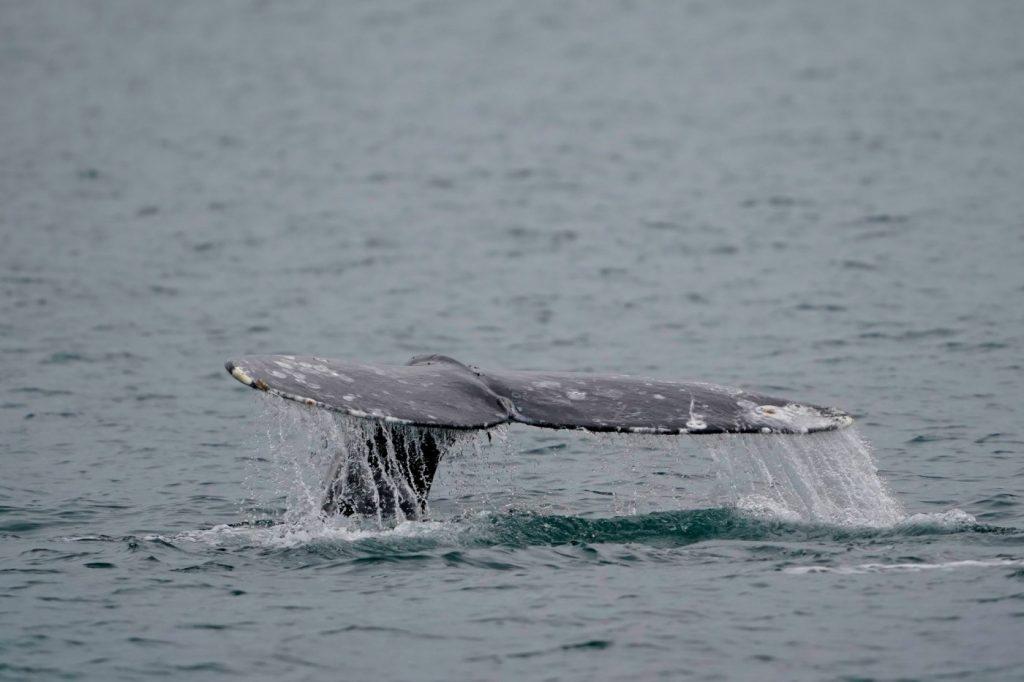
(437, 391)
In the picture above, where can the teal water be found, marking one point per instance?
(806, 199)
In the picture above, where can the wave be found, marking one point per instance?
(522, 529)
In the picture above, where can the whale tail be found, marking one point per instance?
(388, 471)
(412, 412)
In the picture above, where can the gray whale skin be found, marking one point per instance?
(442, 394)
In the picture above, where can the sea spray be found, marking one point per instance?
(479, 474)
(293, 454)
(827, 477)
(316, 457)
(645, 473)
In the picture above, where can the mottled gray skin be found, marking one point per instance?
(437, 391)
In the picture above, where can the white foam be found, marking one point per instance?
(297, 534)
(860, 569)
(762, 507)
(952, 519)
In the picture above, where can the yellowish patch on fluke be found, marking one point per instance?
(237, 373)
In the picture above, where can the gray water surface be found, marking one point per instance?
(816, 200)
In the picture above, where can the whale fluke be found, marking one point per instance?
(435, 390)
(441, 394)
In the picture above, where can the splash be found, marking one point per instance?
(378, 474)
(316, 456)
(308, 530)
(827, 477)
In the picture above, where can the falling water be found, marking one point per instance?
(827, 477)
(311, 450)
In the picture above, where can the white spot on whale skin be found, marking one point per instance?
(696, 421)
(651, 430)
(658, 396)
(547, 384)
(237, 373)
(285, 365)
(279, 375)
(576, 395)
(794, 418)
(348, 398)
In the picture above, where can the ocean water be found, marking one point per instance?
(815, 200)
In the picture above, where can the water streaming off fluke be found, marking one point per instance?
(324, 464)
(822, 477)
